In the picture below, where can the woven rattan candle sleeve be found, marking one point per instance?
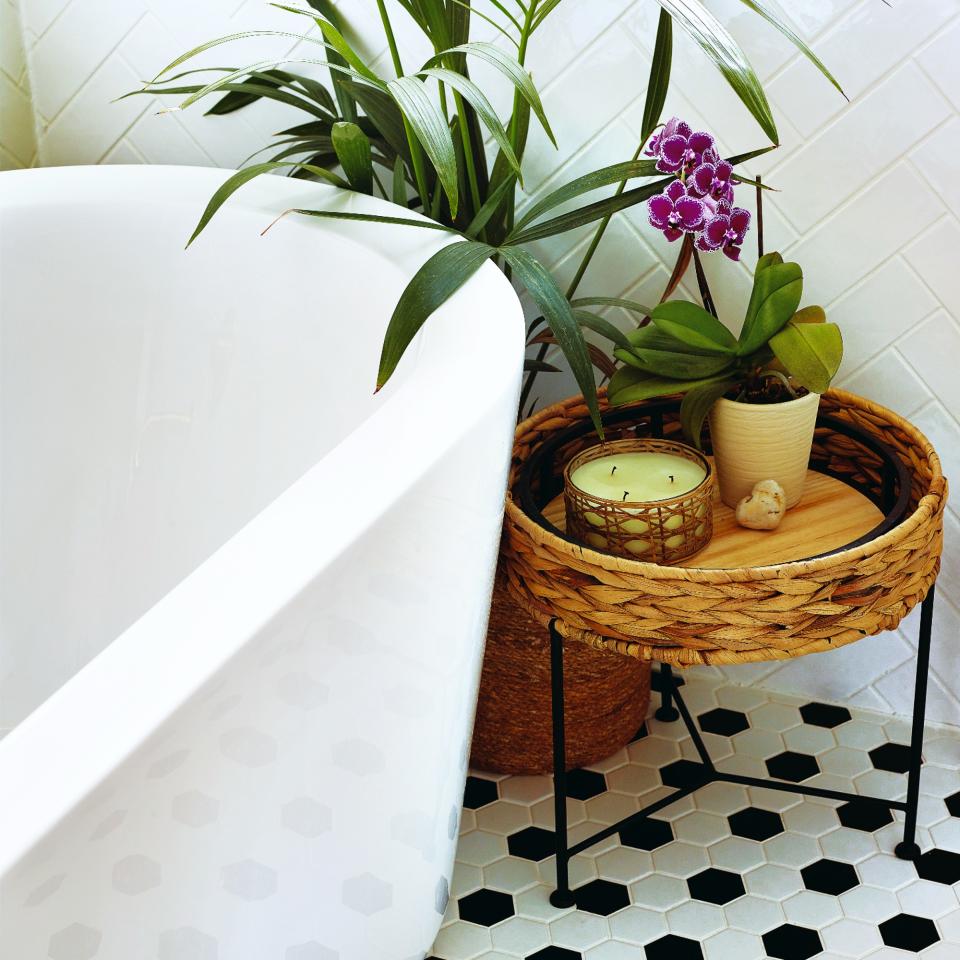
(661, 531)
(686, 616)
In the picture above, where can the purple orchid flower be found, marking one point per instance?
(675, 212)
(678, 148)
(672, 127)
(712, 179)
(725, 230)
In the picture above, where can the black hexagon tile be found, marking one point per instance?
(894, 757)
(715, 886)
(486, 907)
(829, 876)
(646, 834)
(940, 866)
(723, 722)
(868, 817)
(584, 784)
(479, 792)
(727, 873)
(532, 843)
(790, 942)
(673, 947)
(602, 897)
(795, 767)
(640, 734)
(755, 824)
(908, 932)
(824, 714)
(682, 773)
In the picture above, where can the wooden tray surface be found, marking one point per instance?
(830, 515)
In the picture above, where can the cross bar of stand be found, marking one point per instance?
(673, 707)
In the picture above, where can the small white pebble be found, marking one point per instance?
(764, 507)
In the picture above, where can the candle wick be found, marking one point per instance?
(625, 492)
(613, 471)
(671, 478)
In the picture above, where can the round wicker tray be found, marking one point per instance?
(700, 615)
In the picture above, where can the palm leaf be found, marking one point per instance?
(773, 19)
(353, 151)
(432, 285)
(716, 42)
(237, 180)
(590, 181)
(430, 128)
(548, 296)
(659, 81)
(478, 100)
(511, 68)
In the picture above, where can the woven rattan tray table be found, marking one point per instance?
(850, 561)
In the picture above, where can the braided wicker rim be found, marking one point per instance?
(691, 615)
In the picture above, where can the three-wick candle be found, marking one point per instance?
(646, 499)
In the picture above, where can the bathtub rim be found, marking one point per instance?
(71, 742)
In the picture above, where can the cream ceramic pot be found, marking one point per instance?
(762, 441)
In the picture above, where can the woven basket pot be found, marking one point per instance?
(689, 615)
(606, 697)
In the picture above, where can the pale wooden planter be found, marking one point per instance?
(762, 441)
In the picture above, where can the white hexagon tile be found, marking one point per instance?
(729, 873)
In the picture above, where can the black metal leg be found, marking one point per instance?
(666, 712)
(562, 896)
(908, 849)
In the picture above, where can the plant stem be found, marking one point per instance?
(759, 218)
(517, 103)
(468, 154)
(416, 153)
(708, 304)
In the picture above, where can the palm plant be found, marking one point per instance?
(418, 139)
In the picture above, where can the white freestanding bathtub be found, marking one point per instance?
(243, 600)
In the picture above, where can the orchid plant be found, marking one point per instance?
(419, 138)
(781, 350)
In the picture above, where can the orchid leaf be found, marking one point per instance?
(692, 325)
(776, 294)
(697, 403)
(810, 352)
(674, 364)
(629, 385)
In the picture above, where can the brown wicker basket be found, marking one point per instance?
(606, 697)
(690, 615)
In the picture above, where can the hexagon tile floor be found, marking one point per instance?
(728, 873)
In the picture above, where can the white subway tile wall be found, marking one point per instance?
(18, 139)
(869, 190)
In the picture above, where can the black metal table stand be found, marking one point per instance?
(672, 707)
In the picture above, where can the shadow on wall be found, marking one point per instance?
(18, 135)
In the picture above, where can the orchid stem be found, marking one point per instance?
(708, 303)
